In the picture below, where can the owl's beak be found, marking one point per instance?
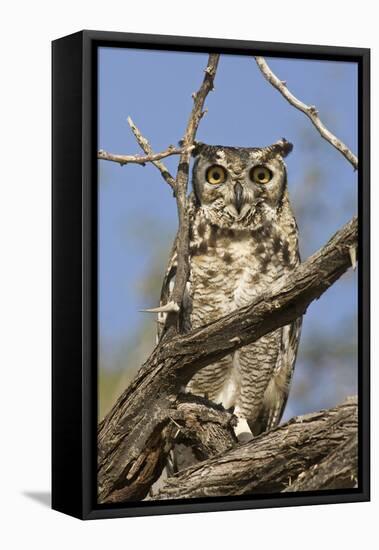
(238, 196)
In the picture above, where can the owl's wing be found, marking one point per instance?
(277, 391)
(166, 292)
(169, 281)
(167, 288)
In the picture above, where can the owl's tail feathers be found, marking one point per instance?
(268, 418)
(274, 402)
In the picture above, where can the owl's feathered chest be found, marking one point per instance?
(229, 267)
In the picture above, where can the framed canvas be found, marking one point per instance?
(198, 256)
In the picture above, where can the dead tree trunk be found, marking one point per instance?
(135, 437)
(315, 451)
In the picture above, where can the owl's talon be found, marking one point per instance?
(242, 430)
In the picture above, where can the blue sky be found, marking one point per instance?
(136, 208)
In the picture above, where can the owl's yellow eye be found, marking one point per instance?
(216, 174)
(260, 174)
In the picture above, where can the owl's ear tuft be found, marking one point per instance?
(198, 149)
(284, 146)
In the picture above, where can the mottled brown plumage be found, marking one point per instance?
(243, 237)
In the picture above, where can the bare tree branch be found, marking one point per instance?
(180, 184)
(309, 110)
(138, 159)
(146, 147)
(135, 423)
(182, 271)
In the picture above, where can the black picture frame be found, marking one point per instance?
(74, 271)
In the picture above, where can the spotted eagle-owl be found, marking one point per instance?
(243, 236)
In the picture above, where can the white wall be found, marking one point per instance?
(27, 29)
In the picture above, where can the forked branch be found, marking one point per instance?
(146, 147)
(180, 184)
(309, 110)
(182, 271)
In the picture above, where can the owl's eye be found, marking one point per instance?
(260, 174)
(216, 174)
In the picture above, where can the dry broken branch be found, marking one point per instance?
(309, 110)
(181, 277)
(138, 159)
(284, 459)
(146, 147)
(180, 184)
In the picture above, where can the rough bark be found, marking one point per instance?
(315, 451)
(204, 427)
(337, 471)
(190, 420)
(129, 437)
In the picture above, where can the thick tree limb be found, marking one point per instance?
(271, 462)
(188, 420)
(309, 110)
(336, 471)
(284, 301)
(135, 421)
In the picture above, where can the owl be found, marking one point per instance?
(243, 236)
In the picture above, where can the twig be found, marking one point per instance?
(138, 159)
(146, 147)
(309, 110)
(182, 183)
